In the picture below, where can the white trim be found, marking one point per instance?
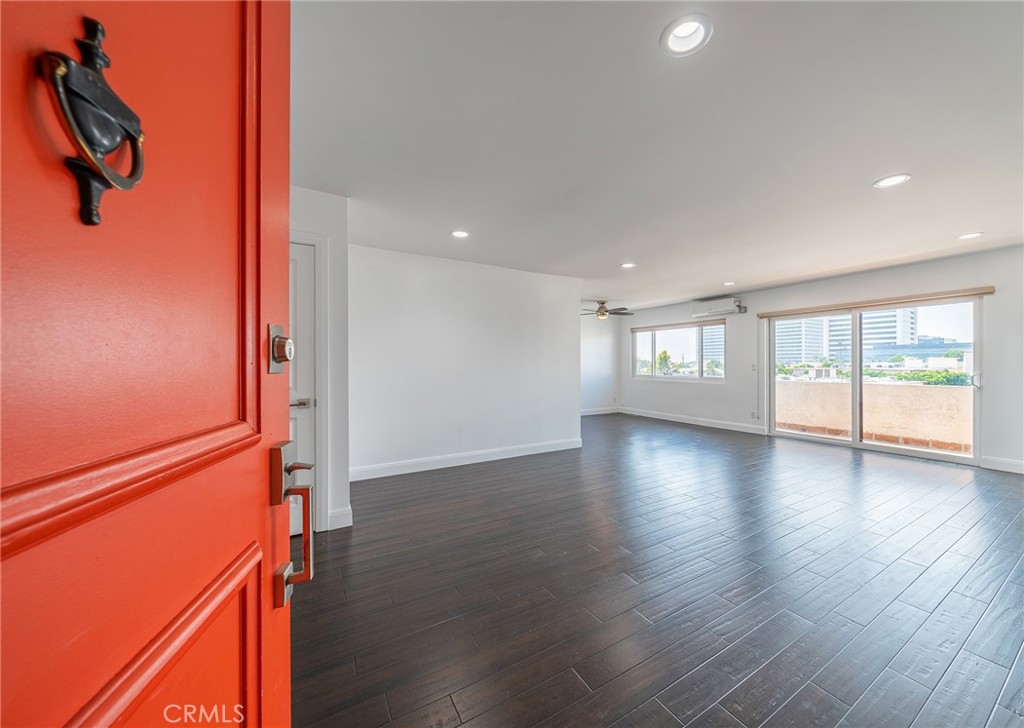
(821, 440)
(1005, 464)
(436, 462)
(979, 370)
(671, 327)
(919, 452)
(699, 421)
(341, 518)
(600, 411)
(690, 378)
(321, 384)
(856, 378)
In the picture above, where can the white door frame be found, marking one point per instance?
(321, 326)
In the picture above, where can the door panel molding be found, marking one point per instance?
(252, 344)
(135, 484)
(42, 508)
(129, 688)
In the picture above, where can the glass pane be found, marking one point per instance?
(713, 350)
(917, 367)
(642, 349)
(812, 376)
(676, 352)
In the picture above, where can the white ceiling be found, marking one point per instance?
(562, 138)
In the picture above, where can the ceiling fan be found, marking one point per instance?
(604, 312)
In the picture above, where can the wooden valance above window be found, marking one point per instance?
(894, 301)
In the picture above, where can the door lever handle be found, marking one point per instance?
(292, 468)
(282, 486)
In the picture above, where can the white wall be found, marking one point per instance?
(321, 219)
(738, 401)
(599, 385)
(453, 362)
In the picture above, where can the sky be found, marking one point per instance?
(950, 320)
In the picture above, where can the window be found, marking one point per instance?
(681, 351)
(642, 361)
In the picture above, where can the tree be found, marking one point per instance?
(782, 370)
(954, 354)
(664, 363)
(896, 358)
(959, 379)
(942, 376)
(643, 366)
(713, 368)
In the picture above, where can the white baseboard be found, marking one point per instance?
(600, 411)
(417, 465)
(339, 518)
(753, 429)
(1006, 464)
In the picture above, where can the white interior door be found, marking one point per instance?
(302, 371)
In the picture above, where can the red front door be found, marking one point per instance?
(138, 539)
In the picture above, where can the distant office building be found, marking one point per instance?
(889, 338)
(894, 326)
(918, 356)
(714, 343)
(878, 329)
(800, 340)
(839, 339)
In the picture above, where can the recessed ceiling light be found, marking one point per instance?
(460, 234)
(968, 236)
(892, 180)
(729, 283)
(686, 35)
(629, 265)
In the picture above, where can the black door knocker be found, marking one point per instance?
(95, 119)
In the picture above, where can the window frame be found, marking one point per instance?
(699, 326)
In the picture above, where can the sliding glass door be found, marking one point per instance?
(916, 376)
(898, 378)
(812, 391)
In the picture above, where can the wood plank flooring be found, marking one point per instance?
(669, 575)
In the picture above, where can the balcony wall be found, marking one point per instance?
(915, 415)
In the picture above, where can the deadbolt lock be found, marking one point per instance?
(282, 348)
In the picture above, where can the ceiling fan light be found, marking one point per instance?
(602, 315)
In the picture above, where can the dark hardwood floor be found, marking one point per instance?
(670, 575)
